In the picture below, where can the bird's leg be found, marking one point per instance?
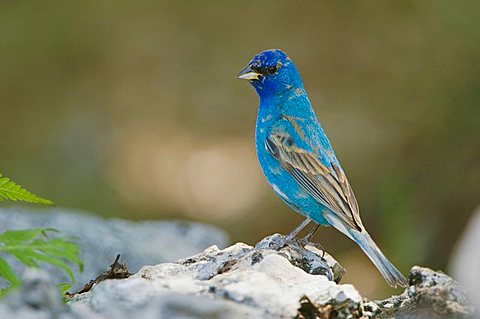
(291, 236)
(312, 232)
(297, 229)
(306, 240)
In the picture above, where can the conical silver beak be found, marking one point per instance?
(248, 74)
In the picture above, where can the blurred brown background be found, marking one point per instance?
(131, 109)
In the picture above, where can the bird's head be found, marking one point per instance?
(271, 72)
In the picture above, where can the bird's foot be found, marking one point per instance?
(279, 242)
(297, 242)
(284, 241)
(306, 242)
(290, 239)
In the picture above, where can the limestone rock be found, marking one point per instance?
(139, 243)
(267, 281)
(270, 280)
(431, 294)
(465, 261)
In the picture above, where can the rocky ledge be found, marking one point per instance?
(240, 281)
(100, 239)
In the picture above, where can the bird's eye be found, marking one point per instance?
(272, 69)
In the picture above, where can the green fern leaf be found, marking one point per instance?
(7, 272)
(34, 246)
(11, 191)
(63, 287)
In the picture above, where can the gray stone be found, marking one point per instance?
(38, 293)
(268, 282)
(465, 261)
(139, 243)
(431, 294)
(39, 298)
(239, 282)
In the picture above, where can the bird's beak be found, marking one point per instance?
(248, 74)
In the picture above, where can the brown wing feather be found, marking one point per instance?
(348, 192)
(327, 185)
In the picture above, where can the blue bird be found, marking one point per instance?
(298, 161)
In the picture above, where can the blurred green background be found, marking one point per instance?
(131, 109)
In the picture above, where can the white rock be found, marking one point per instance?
(465, 262)
(101, 239)
(239, 282)
(261, 280)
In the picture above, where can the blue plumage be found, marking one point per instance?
(297, 158)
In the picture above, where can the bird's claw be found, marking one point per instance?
(305, 242)
(299, 242)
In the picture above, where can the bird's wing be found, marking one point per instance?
(327, 184)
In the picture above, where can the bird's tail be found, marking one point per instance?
(386, 268)
(363, 239)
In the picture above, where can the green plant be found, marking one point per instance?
(34, 246)
(14, 192)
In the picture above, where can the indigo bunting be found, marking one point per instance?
(298, 161)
